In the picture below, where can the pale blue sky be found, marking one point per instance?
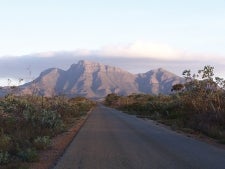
(30, 26)
(173, 34)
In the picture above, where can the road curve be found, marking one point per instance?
(114, 140)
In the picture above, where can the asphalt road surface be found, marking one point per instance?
(114, 140)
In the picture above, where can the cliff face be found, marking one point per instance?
(157, 81)
(95, 80)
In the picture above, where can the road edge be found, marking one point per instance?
(50, 158)
(74, 135)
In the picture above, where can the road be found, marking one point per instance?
(114, 140)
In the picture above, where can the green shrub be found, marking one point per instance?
(45, 119)
(5, 142)
(4, 157)
(50, 119)
(42, 143)
(28, 155)
(27, 124)
(111, 99)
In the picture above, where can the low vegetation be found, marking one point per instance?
(27, 124)
(195, 106)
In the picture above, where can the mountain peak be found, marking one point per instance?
(92, 66)
(47, 71)
(86, 62)
(96, 80)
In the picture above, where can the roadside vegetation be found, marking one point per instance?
(27, 124)
(196, 106)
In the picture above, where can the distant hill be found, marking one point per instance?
(157, 81)
(95, 80)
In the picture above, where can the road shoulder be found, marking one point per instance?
(48, 158)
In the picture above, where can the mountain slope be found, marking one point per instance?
(157, 81)
(95, 80)
(46, 84)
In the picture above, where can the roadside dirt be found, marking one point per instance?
(48, 158)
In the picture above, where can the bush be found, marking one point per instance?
(42, 143)
(199, 104)
(28, 155)
(50, 119)
(27, 124)
(5, 142)
(45, 119)
(4, 157)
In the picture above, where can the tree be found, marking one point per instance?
(111, 99)
(177, 87)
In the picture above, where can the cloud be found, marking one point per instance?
(140, 49)
(10, 82)
(158, 51)
(137, 57)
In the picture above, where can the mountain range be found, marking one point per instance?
(96, 80)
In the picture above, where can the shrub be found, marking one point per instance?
(28, 155)
(50, 119)
(27, 124)
(44, 119)
(42, 143)
(4, 157)
(111, 99)
(199, 104)
(5, 142)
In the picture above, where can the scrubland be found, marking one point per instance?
(197, 106)
(28, 123)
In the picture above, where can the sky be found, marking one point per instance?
(188, 32)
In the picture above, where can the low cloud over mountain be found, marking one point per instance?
(135, 57)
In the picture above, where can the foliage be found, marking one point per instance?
(27, 124)
(4, 157)
(111, 99)
(198, 105)
(28, 155)
(177, 87)
(45, 118)
(5, 142)
(42, 143)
